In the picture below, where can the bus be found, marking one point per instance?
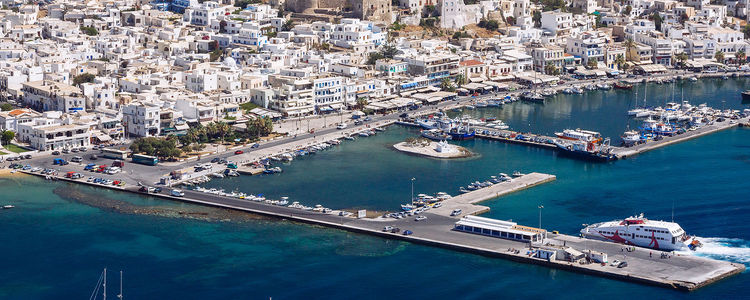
(114, 153)
(145, 159)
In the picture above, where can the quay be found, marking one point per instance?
(624, 152)
(468, 202)
(681, 272)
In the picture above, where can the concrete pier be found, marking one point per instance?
(468, 202)
(624, 152)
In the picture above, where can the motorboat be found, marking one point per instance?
(580, 135)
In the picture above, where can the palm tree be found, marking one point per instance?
(741, 56)
(447, 85)
(460, 80)
(619, 61)
(719, 57)
(550, 69)
(682, 58)
(629, 44)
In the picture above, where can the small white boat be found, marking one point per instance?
(8, 206)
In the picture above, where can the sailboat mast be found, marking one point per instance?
(120, 295)
(105, 284)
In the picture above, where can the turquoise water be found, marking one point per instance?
(54, 247)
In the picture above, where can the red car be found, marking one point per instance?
(239, 152)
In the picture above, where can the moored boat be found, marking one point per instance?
(642, 232)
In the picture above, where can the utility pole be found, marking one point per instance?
(412, 189)
(540, 215)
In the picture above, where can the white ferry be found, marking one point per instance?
(580, 135)
(639, 231)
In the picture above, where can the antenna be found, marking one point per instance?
(105, 284)
(120, 295)
(672, 210)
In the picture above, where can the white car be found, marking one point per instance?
(615, 263)
(341, 126)
(177, 193)
(420, 218)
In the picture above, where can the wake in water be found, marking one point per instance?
(734, 250)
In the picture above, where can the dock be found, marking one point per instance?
(682, 272)
(468, 202)
(624, 152)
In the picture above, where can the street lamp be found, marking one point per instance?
(540, 215)
(412, 189)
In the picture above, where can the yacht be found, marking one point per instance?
(631, 137)
(642, 232)
(580, 135)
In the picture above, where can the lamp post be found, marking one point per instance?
(540, 215)
(412, 189)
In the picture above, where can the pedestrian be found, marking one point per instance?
(649, 254)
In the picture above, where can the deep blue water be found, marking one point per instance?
(55, 248)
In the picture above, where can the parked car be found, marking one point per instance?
(93, 157)
(238, 152)
(256, 145)
(55, 152)
(177, 193)
(76, 159)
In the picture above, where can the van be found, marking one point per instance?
(177, 193)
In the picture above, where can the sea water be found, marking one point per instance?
(53, 246)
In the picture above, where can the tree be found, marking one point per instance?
(592, 64)
(288, 25)
(7, 136)
(389, 51)
(746, 30)
(629, 44)
(83, 78)
(657, 20)
(491, 25)
(682, 58)
(447, 85)
(161, 147)
(6, 107)
(90, 31)
(537, 18)
(460, 80)
(550, 68)
(719, 56)
(619, 61)
(361, 103)
(684, 17)
(374, 57)
(741, 56)
(627, 10)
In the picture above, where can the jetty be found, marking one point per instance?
(468, 202)
(624, 152)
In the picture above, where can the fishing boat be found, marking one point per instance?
(532, 97)
(588, 151)
(658, 127)
(461, 133)
(436, 135)
(623, 86)
(580, 135)
(642, 232)
(746, 95)
(427, 123)
(631, 137)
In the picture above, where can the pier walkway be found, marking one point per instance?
(468, 202)
(624, 152)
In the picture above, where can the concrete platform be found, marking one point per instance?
(468, 202)
(624, 152)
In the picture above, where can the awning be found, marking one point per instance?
(337, 106)
(103, 137)
(182, 127)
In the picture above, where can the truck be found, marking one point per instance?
(59, 161)
(145, 159)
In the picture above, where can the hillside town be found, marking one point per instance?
(76, 74)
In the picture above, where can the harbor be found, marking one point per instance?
(682, 272)
(677, 272)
